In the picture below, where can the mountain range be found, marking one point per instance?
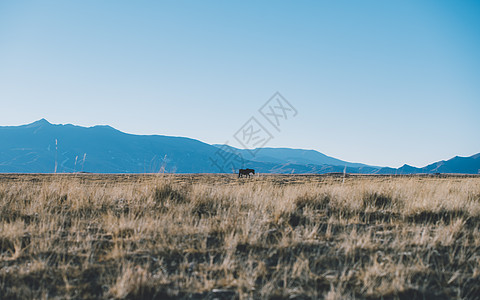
(42, 147)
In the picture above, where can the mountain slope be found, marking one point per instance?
(31, 148)
(468, 165)
(296, 156)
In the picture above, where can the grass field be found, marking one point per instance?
(216, 236)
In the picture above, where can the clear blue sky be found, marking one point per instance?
(378, 82)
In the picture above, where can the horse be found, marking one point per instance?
(246, 172)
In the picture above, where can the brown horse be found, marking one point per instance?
(246, 172)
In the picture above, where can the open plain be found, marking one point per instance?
(166, 236)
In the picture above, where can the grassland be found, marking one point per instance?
(216, 236)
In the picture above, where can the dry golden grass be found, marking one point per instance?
(216, 236)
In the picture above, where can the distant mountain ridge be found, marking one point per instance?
(455, 165)
(42, 147)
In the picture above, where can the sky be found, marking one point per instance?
(378, 82)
